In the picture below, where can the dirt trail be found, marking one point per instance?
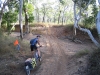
(56, 63)
(57, 54)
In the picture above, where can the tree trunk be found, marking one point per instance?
(54, 20)
(62, 19)
(59, 17)
(63, 15)
(1, 14)
(38, 16)
(77, 18)
(26, 23)
(43, 18)
(75, 22)
(98, 23)
(20, 18)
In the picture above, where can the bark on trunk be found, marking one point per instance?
(26, 24)
(98, 23)
(59, 17)
(76, 20)
(44, 17)
(20, 18)
(1, 15)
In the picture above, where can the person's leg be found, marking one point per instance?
(18, 47)
(39, 56)
(39, 52)
(32, 51)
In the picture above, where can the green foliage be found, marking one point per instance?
(90, 21)
(89, 13)
(31, 18)
(29, 8)
(13, 4)
(87, 22)
(83, 3)
(82, 53)
(1, 33)
(62, 2)
(8, 18)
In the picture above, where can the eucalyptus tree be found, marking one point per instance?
(44, 10)
(9, 15)
(59, 12)
(63, 9)
(37, 14)
(20, 18)
(9, 18)
(36, 10)
(28, 10)
(5, 3)
(79, 7)
(54, 18)
(98, 21)
(64, 6)
(50, 12)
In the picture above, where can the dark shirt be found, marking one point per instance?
(34, 41)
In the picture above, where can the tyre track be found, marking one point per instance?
(56, 59)
(62, 57)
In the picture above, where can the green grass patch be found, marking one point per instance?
(82, 53)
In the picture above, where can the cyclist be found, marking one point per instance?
(33, 45)
(30, 62)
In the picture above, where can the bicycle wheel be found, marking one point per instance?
(27, 70)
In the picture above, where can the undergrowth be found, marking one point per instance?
(94, 63)
(82, 53)
(12, 60)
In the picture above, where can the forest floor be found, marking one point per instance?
(60, 54)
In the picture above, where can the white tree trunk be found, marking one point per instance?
(77, 18)
(20, 18)
(91, 36)
(99, 1)
(98, 23)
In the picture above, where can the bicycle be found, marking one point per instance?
(35, 62)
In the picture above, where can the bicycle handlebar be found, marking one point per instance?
(39, 46)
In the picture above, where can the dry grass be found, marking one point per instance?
(11, 60)
(94, 63)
